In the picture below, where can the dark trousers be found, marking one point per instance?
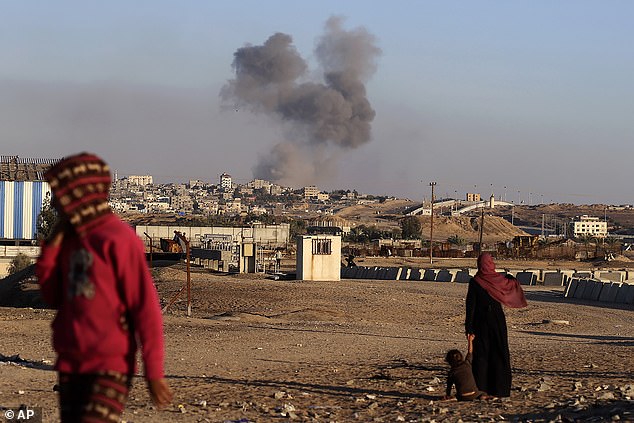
(95, 397)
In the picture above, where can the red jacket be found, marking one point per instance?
(103, 291)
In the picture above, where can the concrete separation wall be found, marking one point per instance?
(463, 276)
(415, 275)
(444, 275)
(604, 291)
(586, 288)
(429, 275)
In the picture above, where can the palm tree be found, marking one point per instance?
(586, 239)
(613, 244)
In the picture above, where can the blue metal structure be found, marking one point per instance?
(20, 205)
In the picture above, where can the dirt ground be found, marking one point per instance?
(259, 350)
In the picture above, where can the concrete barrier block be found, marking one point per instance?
(363, 272)
(583, 275)
(614, 276)
(621, 293)
(538, 274)
(444, 275)
(596, 291)
(392, 273)
(629, 293)
(567, 273)
(405, 272)
(372, 273)
(512, 272)
(415, 275)
(605, 292)
(582, 285)
(463, 276)
(571, 288)
(429, 275)
(352, 272)
(615, 287)
(526, 278)
(380, 272)
(553, 279)
(587, 289)
(348, 272)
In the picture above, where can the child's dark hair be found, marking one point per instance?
(454, 357)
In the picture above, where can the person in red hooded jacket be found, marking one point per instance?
(488, 291)
(92, 269)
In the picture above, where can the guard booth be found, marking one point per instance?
(318, 258)
(248, 257)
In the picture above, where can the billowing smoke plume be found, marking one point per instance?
(322, 117)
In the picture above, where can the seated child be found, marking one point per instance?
(461, 375)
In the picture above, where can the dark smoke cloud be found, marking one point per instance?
(322, 117)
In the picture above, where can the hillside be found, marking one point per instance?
(496, 229)
(557, 216)
(386, 216)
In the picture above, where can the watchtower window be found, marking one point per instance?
(322, 246)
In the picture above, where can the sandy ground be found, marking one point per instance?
(259, 350)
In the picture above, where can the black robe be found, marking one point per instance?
(491, 358)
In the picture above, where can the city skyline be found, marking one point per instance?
(534, 97)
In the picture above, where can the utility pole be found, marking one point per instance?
(481, 229)
(431, 228)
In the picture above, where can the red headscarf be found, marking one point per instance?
(80, 185)
(506, 291)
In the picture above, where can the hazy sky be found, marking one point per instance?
(535, 96)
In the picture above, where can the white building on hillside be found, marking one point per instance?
(311, 192)
(225, 181)
(140, 180)
(590, 226)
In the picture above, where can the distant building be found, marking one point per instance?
(196, 183)
(473, 197)
(331, 222)
(225, 181)
(590, 226)
(311, 192)
(323, 196)
(140, 180)
(259, 184)
(182, 203)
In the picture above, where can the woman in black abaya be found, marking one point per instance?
(488, 291)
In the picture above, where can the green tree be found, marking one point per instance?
(19, 263)
(457, 241)
(46, 219)
(410, 227)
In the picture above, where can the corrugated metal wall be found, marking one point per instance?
(20, 204)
